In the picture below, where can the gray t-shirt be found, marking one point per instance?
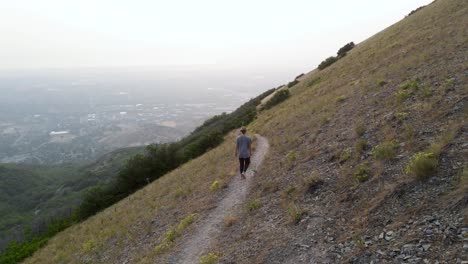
(243, 144)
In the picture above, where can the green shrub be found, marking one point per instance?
(361, 145)
(411, 85)
(362, 172)
(277, 98)
(314, 81)
(209, 258)
(416, 10)
(381, 83)
(401, 116)
(385, 151)
(402, 95)
(253, 205)
(448, 84)
(184, 223)
(295, 213)
(290, 190)
(345, 155)
(426, 92)
(329, 61)
(292, 83)
(340, 99)
(172, 234)
(215, 185)
(407, 88)
(343, 50)
(422, 165)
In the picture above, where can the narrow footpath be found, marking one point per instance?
(212, 225)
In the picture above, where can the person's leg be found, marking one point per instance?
(247, 163)
(241, 165)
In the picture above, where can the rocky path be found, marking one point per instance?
(212, 224)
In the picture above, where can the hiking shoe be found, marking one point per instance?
(243, 176)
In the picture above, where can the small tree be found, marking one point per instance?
(343, 50)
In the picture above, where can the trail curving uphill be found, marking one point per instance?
(212, 224)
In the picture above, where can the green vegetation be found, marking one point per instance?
(215, 185)
(343, 50)
(362, 172)
(290, 190)
(32, 197)
(381, 83)
(361, 145)
(209, 258)
(314, 81)
(160, 159)
(295, 213)
(422, 165)
(401, 116)
(172, 234)
(138, 171)
(345, 155)
(385, 151)
(253, 205)
(340, 54)
(340, 99)
(327, 62)
(18, 251)
(277, 98)
(292, 83)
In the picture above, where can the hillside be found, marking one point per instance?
(32, 194)
(342, 181)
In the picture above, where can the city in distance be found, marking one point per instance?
(75, 115)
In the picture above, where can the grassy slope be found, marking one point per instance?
(313, 126)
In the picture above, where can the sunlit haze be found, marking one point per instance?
(290, 35)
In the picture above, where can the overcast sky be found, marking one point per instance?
(243, 33)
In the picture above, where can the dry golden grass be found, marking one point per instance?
(326, 113)
(151, 210)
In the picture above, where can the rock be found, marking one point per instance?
(426, 247)
(382, 235)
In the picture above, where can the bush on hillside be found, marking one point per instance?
(340, 54)
(422, 165)
(299, 76)
(292, 83)
(362, 172)
(277, 98)
(329, 61)
(385, 151)
(416, 10)
(343, 50)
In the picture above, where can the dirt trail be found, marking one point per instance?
(212, 224)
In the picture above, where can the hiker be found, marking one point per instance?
(243, 151)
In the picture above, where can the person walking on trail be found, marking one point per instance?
(243, 151)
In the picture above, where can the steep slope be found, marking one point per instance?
(333, 187)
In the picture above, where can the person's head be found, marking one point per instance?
(243, 130)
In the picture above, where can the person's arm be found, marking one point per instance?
(237, 147)
(250, 148)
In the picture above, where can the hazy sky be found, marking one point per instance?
(242, 33)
